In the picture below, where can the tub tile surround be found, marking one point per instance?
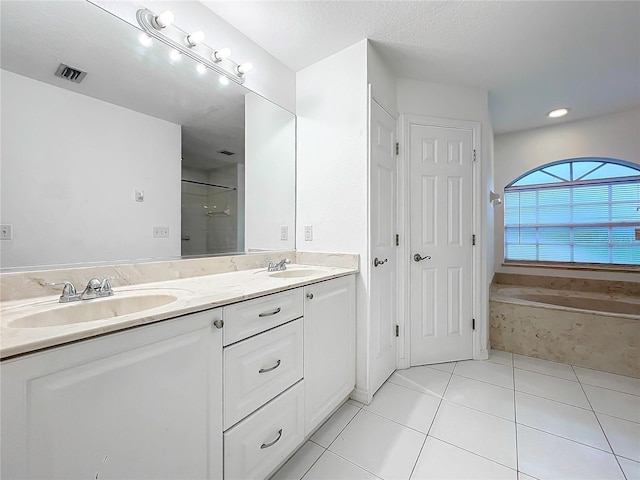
(567, 283)
(198, 284)
(605, 341)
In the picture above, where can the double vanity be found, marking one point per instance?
(213, 374)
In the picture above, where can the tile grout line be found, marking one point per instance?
(613, 452)
(415, 464)
(515, 413)
(326, 449)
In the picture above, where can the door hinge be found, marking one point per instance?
(473, 324)
(474, 154)
(397, 148)
(473, 239)
(397, 330)
(397, 240)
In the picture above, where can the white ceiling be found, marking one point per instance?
(531, 56)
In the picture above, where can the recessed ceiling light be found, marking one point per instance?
(558, 112)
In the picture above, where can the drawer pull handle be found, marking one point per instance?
(272, 312)
(265, 370)
(271, 444)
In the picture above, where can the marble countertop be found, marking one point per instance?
(191, 295)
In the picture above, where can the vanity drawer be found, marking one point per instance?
(258, 444)
(248, 318)
(259, 368)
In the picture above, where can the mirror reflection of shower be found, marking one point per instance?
(212, 210)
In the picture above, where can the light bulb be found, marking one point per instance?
(195, 38)
(223, 80)
(163, 20)
(175, 55)
(558, 112)
(221, 54)
(144, 39)
(244, 68)
(201, 68)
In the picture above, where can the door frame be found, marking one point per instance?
(404, 215)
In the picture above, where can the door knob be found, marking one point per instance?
(377, 262)
(418, 258)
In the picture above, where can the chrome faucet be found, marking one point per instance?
(94, 289)
(278, 267)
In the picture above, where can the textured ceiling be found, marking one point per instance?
(530, 55)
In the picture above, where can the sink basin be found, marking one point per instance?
(307, 272)
(92, 310)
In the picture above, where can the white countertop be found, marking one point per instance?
(192, 295)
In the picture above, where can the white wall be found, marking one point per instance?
(270, 177)
(460, 103)
(269, 77)
(332, 163)
(383, 82)
(614, 136)
(70, 167)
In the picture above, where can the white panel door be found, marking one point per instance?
(383, 249)
(441, 243)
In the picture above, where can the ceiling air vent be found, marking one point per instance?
(226, 152)
(70, 73)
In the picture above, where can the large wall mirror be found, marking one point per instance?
(146, 158)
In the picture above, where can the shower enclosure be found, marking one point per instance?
(213, 210)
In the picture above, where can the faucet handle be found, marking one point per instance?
(105, 285)
(69, 293)
(68, 289)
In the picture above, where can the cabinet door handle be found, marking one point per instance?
(218, 323)
(310, 296)
(272, 312)
(265, 370)
(271, 444)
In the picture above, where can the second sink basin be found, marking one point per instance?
(92, 310)
(306, 272)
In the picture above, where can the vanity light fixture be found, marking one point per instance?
(244, 68)
(191, 44)
(175, 55)
(145, 39)
(558, 112)
(223, 80)
(221, 55)
(194, 39)
(200, 68)
(163, 20)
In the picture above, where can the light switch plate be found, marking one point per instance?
(308, 233)
(284, 233)
(160, 232)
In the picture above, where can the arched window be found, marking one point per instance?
(584, 210)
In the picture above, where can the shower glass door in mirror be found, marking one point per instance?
(92, 172)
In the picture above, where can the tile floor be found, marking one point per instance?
(511, 417)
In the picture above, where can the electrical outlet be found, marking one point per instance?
(308, 233)
(284, 232)
(6, 232)
(139, 195)
(160, 232)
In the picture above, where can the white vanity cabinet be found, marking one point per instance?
(144, 403)
(263, 385)
(229, 392)
(329, 347)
